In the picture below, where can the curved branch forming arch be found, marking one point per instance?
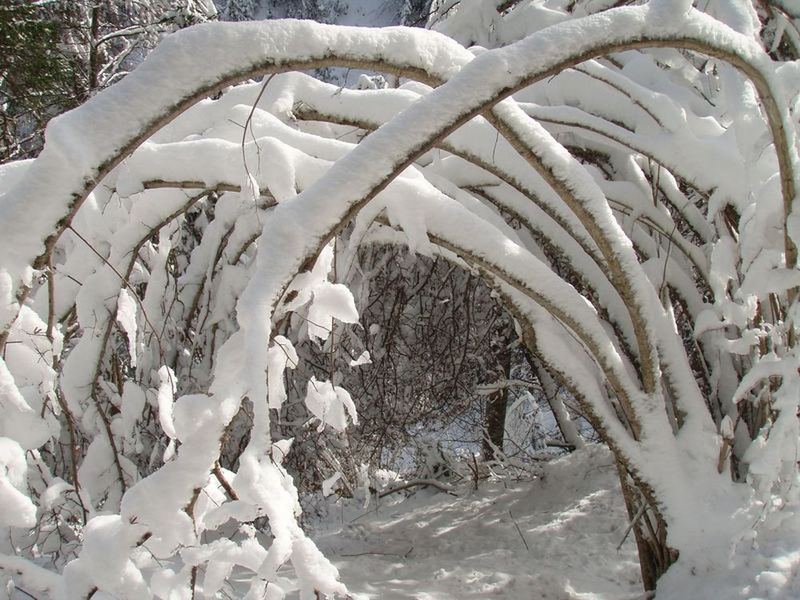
(467, 95)
(187, 67)
(641, 36)
(376, 52)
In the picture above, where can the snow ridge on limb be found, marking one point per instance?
(631, 21)
(186, 67)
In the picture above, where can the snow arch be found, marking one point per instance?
(671, 421)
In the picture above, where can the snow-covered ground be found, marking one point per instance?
(552, 538)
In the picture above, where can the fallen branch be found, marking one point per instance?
(377, 553)
(519, 531)
(419, 482)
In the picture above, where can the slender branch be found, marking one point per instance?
(417, 483)
(224, 482)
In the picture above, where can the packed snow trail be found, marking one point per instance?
(433, 546)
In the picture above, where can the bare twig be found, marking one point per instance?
(419, 482)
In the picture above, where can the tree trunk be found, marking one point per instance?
(495, 423)
(497, 403)
(565, 425)
(649, 531)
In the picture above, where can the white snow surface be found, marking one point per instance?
(433, 546)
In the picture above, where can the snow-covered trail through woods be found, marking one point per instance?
(433, 546)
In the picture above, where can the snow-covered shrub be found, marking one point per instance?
(433, 461)
(624, 182)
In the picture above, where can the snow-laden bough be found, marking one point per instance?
(148, 299)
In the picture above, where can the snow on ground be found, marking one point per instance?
(433, 546)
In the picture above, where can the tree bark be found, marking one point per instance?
(497, 402)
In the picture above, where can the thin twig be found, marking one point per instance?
(28, 594)
(419, 482)
(404, 555)
(125, 282)
(519, 531)
(631, 525)
(248, 125)
(224, 482)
